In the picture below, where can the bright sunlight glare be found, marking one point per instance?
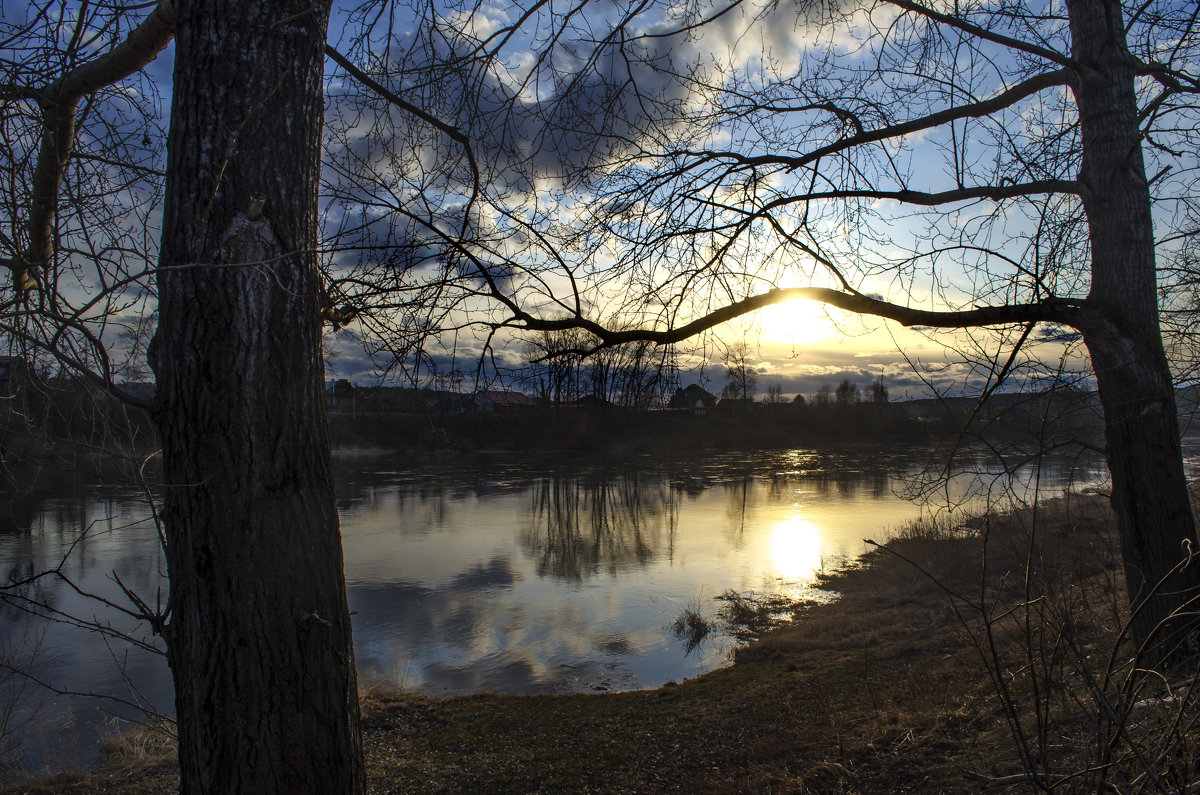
(796, 548)
(798, 321)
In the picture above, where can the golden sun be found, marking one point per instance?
(794, 322)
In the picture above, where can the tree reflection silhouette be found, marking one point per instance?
(608, 522)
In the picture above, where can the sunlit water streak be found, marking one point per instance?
(555, 574)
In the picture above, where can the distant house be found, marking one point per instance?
(381, 399)
(440, 401)
(694, 400)
(731, 405)
(498, 401)
(342, 396)
(940, 409)
(591, 403)
(14, 374)
(390, 400)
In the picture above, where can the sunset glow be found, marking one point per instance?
(796, 548)
(796, 322)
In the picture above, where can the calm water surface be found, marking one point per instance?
(550, 574)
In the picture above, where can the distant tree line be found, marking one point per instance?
(847, 394)
(741, 378)
(567, 368)
(563, 368)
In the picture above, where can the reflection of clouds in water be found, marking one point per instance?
(456, 614)
(617, 644)
(569, 572)
(564, 577)
(496, 573)
(515, 671)
(473, 633)
(503, 672)
(89, 535)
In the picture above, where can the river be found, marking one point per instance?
(544, 573)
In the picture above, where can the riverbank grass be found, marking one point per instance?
(954, 658)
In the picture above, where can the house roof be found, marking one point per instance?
(500, 397)
(691, 396)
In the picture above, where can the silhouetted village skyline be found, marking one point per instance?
(44, 411)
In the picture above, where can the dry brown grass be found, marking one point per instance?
(151, 745)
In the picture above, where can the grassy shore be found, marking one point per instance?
(891, 688)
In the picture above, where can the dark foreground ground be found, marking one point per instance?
(892, 688)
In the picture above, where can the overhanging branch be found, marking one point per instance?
(972, 29)
(1059, 310)
(450, 131)
(972, 110)
(59, 104)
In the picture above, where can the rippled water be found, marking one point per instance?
(547, 574)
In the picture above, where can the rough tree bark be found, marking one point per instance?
(259, 635)
(1150, 495)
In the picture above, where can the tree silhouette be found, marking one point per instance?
(256, 626)
(741, 380)
(976, 166)
(969, 167)
(879, 393)
(846, 394)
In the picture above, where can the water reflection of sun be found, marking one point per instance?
(796, 548)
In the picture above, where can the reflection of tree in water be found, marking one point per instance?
(842, 480)
(580, 527)
(17, 513)
(62, 527)
(738, 504)
(881, 484)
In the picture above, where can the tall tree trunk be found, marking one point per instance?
(259, 634)
(1150, 495)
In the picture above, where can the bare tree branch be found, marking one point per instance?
(1066, 311)
(982, 33)
(1005, 99)
(59, 103)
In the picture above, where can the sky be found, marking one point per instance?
(759, 51)
(798, 346)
